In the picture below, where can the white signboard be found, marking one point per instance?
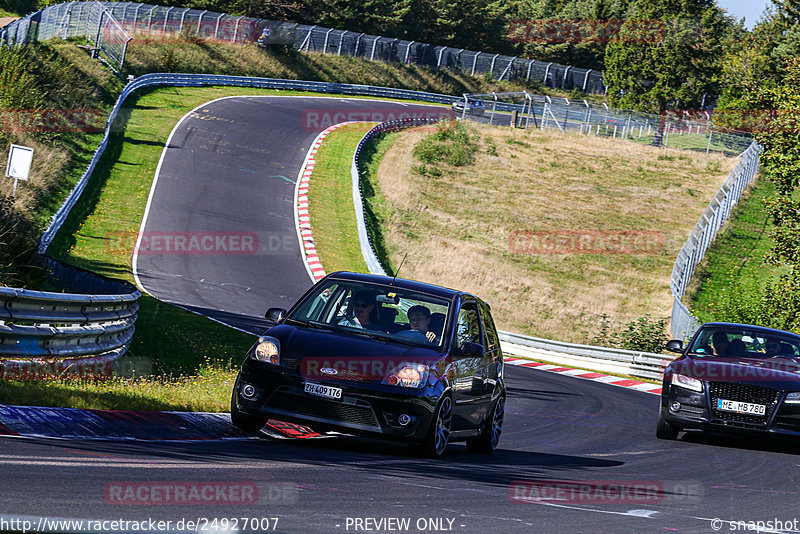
(19, 164)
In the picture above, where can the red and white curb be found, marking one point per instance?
(587, 375)
(309, 248)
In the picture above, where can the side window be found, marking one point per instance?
(492, 340)
(468, 329)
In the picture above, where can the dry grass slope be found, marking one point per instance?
(456, 228)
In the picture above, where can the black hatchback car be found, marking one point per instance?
(733, 378)
(382, 357)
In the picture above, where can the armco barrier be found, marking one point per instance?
(199, 80)
(45, 333)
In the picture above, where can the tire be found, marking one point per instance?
(439, 433)
(665, 429)
(245, 422)
(489, 439)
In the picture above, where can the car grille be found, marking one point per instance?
(292, 365)
(331, 410)
(743, 393)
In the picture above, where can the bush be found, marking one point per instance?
(775, 304)
(644, 334)
(452, 143)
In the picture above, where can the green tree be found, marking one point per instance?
(667, 55)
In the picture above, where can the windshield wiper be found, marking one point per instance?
(319, 326)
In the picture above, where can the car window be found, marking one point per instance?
(384, 311)
(492, 340)
(735, 342)
(468, 328)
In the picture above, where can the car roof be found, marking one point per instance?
(762, 329)
(401, 283)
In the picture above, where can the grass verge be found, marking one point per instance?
(737, 254)
(458, 223)
(330, 199)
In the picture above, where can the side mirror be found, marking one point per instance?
(472, 350)
(675, 345)
(276, 315)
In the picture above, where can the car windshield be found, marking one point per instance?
(731, 342)
(376, 310)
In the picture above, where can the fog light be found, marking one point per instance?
(404, 419)
(248, 391)
(675, 406)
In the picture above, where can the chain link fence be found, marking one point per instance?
(106, 24)
(683, 324)
(106, 38)
(691, 130)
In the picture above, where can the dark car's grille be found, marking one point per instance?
(334, 411)
(292, 365)
(743, 393)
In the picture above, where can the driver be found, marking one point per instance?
(419, 318)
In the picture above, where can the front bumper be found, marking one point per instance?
(368, 408)
(694, 410)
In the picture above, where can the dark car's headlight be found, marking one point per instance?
(267, 351)
(408, 375)
(687, 382)
(793, 398)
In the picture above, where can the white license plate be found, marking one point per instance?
(319, 390)
(741, 407)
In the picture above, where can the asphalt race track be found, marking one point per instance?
(228, 173)
(230, 170)
(557, 429)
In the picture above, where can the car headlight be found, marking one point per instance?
(687, 382)
(407, 375)
(267, 351)
(793, 398)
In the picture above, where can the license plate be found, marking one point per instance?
(741, 407)
(318, 390)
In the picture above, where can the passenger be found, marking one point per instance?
(776, 349)
(419, 318)
(773, 347)
(720, 343)
(737, 349)
(364, 313)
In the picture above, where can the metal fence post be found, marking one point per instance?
(341, 40)
(491, 70)
(325, 45)
(439, 59)
(216, 27)
(374, 44)
(528, 75)
(200, 22)
(546, 74)
(474, 63)
(236, 29)
(408, 49)
(586, 80)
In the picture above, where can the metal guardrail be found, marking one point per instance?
(36, 324)
(646, 365)
(199, 80)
